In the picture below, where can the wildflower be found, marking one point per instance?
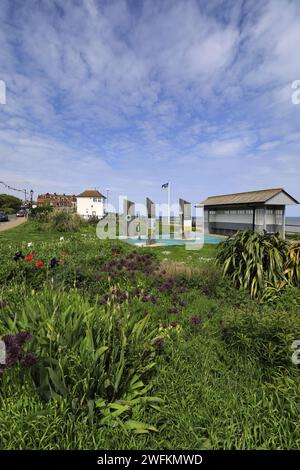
(29, 258)
(54, 262)
(39, 263)
(174, 324)
(158, 343)
(28, 360)
(13, 346)
(29, 244)
(116, 254)
(172, 310)
(195, 320)
(18, 255)
(61, 239)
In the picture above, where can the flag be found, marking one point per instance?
(165, 186)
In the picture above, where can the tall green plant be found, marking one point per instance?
(86, 352)
(64, 221)
(252, 260)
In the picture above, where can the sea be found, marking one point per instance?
(292, 224)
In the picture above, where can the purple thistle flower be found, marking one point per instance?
(28, 360)
(18, 255)
(172, 310)
(158, 343)
(54, 262)
(195, 320)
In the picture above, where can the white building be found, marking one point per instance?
(254, 210)
(90, 203)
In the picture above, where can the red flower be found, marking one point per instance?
(39, 263)
(116, 254)
(29, 258)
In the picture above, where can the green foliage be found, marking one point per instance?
(108, 355)
(291, 269)
(252, 260)
(64, 221)
(8, 201)
(41, 213)
(8, 210)
(266, 334)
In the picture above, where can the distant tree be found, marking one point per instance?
(6, 200)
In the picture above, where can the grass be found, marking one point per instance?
(216, 390)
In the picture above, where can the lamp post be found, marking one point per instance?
(31, 198)
(107, 194)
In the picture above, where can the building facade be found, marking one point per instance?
(59, 201)
(254, 210)
(91, 203)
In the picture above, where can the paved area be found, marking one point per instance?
(13, 222)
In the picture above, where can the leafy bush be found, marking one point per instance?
(8, 201)
(252, 260)
(8, 210)
(291, 270)
(89, 354)
(41, 213)
(64, 221)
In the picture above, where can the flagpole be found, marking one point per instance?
(169, 214)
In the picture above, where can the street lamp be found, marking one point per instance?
(31, 198)
(107, 194)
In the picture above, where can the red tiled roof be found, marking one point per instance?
(90, 193)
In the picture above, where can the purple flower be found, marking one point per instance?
(28, 360)
(195, 320)
(158, 343)
(14, 353)
(174, 324)
(172, 310)
(54, 262)
(18, 255)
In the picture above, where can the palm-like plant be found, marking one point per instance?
(252, 260)
(291, 271)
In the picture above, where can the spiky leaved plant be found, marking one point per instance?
(252, 260)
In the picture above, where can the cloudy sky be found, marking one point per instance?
(127, 95)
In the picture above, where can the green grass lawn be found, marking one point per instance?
(119, 368)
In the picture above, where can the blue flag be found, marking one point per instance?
(165, 186)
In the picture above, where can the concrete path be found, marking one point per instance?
(13, 222)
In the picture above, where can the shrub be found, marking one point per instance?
(64, 221)
(291, 270)
(252, 260)
(9, 201)
(8, 210)
(41, 213)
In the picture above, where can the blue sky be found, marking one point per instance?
(128, 95)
